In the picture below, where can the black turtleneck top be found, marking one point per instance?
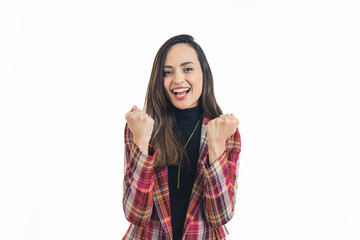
(185, 123)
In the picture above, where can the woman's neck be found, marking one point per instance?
(188, 116)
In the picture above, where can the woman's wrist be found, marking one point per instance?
(143, 145)
(215, 151)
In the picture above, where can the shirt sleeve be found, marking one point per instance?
(138, 182)
(220, 183)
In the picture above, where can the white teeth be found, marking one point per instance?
(181, 90)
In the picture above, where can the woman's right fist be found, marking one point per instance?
(141, 125)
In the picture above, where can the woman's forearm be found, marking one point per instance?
(143, 145)
(215, 150)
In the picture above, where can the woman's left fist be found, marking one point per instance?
(221, 128)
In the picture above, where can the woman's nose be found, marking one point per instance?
(178, 77)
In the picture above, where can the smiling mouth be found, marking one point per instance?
(181, 94)
(181, 91)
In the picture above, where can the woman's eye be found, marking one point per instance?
(188, 69)
(166, 73)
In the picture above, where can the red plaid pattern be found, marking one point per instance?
(146, 200)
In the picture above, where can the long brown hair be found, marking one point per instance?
(157, 105)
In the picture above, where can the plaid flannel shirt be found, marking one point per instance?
(146, 200)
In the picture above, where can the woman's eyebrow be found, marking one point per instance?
(183, 64)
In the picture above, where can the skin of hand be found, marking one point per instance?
(218, 131)
(141, 125)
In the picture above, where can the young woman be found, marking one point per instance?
(181, 152)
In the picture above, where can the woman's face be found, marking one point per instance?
(183, 77)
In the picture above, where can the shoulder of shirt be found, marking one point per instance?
(206, 119)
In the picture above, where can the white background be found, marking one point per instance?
(288, 70)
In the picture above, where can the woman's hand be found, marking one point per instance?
(141, 125)
(218, 131)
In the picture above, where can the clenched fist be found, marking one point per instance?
(141, 125)
(218, 131)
